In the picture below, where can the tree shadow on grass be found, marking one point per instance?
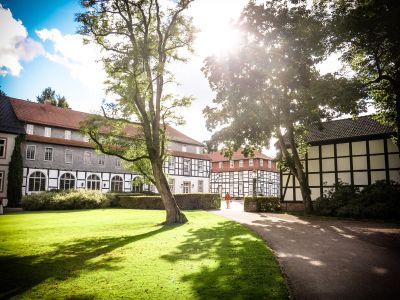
(236, 264)
(21, 273)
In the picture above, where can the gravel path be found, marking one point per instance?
(325, 258)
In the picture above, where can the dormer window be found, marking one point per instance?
(67, 134)
(241, 163)
(220, 164)
(231, 163)
(251, 162)
(261, 162)
(29, 128)
(270, 164)
(198, 150)
(47, 132)
(184, 148)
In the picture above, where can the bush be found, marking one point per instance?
(66, 199)
(262, 204)
(184, 201)
(379, 200)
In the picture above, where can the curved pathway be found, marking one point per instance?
(326, 258)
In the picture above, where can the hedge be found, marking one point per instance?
(66, 199)
(184, 201)
(262, 204)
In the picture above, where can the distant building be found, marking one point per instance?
(57, 156)
(355, 151)
(244, 176)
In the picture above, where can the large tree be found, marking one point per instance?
(367, 34)
(270, 85)
(139, 40)
(48, 94)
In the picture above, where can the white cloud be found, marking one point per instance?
(82, 61)
(15, 45)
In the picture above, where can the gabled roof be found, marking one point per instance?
(46, 114)
(8, 120)
(218, 156)
(344, 129)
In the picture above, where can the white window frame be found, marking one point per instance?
(4, 147)
(269, 164)
(189, 166)
(261, 162)
(187, 186)
(118, 162)
(67, 179)
(171, 163)
(231, 164)
(34, 152)
(200, 186)
(101, 160)
(2, 175)
(220, 164)
(120, 183)
(67, 134)
(201, 166)
(171, 183)
(184, 148)
(89, 155)
(29, 128)
(198, 150)
(92, 181)
(241, 163)
(251, 162)
(40, 184)
(47, 131)
(72, 156)
(45, 152)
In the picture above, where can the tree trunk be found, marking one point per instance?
(397, 92)
(174, 214)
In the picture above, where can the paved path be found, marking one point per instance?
(330, 259)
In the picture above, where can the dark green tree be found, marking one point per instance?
(2, 93)
(48, 94)
(270, 85)
(367, 34)
(15, 174)
(139, 39)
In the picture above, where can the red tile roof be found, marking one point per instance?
(190, 155)
(46, 114)
(57, 141)
(217, 156)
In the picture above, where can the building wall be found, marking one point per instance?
(359, 163)
(5, 161)
(226, 166)
(241, 183)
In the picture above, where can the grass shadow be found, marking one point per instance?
(237, 265)
(21, 273)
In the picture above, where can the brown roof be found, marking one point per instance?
(238, 155)
(46, 114)
(190, 155)
(50, 140)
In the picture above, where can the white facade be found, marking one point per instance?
(7, 147)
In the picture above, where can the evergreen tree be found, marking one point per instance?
(15, 174)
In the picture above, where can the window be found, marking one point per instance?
(117, 184)
(198, 150)
(1, 181)
(186, 187)
(118, 162)
(29, 128)
(250, 162)
(171, 163)
(241, 176)
(231, 163)
(186, 166)
(37, 182)
(48, 154)
(30, 152)
(3, 145)
(102, 159)
(93, 182)
(67, 181)
(67, 134)
(201, 166)
(47, 132)
(220, 165)
(184, 148)
(171, 183)
(241, 163)
(201, 186)
(261, 162)
(68, 156)
(87, 158)
(270, 164)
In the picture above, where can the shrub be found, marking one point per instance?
(184, 201)
(66, 199)
(262, 204)
(379, 200)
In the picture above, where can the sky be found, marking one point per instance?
(40, 47)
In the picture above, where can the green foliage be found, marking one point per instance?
(15, 174)
(184, 201)
(66, 199)
(120, 253)
(48, 94)
(379, 200)
(262, 204)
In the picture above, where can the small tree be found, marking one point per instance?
(270, 84)
(48, 94)
(139, 40)
(367, 34)
(15, 174)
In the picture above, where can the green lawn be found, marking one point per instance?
(121, 253)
